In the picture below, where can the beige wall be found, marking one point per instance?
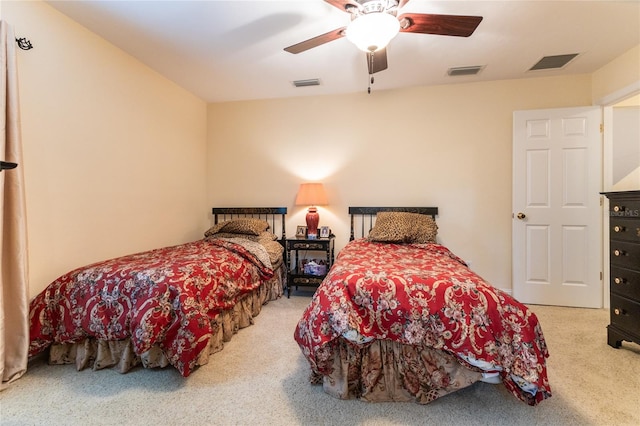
(444, 146)
(618, 76)
(114, 154)
(118, 159)
(612, 85)
(632, 180)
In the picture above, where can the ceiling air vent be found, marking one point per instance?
(553, 62)
(453, 72)
(305, 83)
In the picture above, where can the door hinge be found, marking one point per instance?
(600, 201)
(601, 127)
(600, 275)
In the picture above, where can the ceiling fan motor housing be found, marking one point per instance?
(373, 6)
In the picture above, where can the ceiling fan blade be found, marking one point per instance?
(316, 41)
(342, 4)
(377, 61)
(450, 25)
(401, 3)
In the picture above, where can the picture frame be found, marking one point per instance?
(301, 231)
(325, 232)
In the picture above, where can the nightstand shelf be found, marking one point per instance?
(296, 276)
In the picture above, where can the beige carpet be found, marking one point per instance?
(260, 378)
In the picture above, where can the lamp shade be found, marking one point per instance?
(373, 31)
(311, 194)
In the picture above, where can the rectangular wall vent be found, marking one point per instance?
(553, 62)
(464, 70)
(305, 83)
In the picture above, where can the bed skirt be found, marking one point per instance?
(390, 371)
(120, 355)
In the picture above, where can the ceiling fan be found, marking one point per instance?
(375, 22)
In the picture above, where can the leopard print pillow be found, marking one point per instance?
(249, 226)
(403, 227)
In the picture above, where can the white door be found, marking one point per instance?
(557, 237)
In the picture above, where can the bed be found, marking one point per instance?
(169, 306)
(400, 317)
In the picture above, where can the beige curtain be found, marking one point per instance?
(14, 291)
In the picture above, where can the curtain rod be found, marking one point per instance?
(24, 44)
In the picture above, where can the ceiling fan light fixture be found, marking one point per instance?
(373, 31)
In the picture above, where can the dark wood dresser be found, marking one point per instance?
(624, 257)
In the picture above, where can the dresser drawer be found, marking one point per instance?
(624, 208)
(624, 229)
(625, 282)
(625, 254)
(625, 314)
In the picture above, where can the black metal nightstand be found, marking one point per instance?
(313, 276)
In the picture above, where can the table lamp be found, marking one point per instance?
(312, 195)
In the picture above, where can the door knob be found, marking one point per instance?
(521, 215)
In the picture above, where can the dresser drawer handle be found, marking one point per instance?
(619, 280)
(619, 311)
(619, 228)
(619, 253)
(618, 208)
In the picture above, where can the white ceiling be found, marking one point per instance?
(233, 50)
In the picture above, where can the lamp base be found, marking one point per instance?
(313, 218)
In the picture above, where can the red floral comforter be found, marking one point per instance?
(167, 296)
(424, 295)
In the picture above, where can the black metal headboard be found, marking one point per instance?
(274, 215)
(362, 215)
